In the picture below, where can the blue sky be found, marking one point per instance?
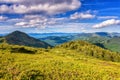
(50, 16)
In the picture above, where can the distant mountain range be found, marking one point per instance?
(105, 40)
(20, 38)
(44, 35)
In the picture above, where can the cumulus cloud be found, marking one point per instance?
(32, 21)
(37, 13)
(39, 6)
(107, 23)
(4, 8)
(37, 21)
(82, 16)
(2, 18)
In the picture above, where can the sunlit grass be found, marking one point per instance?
(54, 64)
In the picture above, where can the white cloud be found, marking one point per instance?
(21, 24)
(71, 27)
(13, 20)
(2, 18)
(82, 16)
(10, 1)
(37, 21)
(31, 23)
(39, 6)
(31, 16)
(107, 23)
(4, 8)
(108, 17)
(46, 8)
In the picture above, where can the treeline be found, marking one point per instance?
(91, 50)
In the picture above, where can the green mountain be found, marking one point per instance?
(20, 38)
(56, 40)
(113, 44)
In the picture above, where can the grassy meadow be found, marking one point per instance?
(26, 63)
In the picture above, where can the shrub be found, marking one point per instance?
(22, 50)
(32, 75)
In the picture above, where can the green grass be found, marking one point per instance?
(54, 64)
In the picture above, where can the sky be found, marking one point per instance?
(66, 16)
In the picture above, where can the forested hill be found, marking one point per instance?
(21, 38)
(86, 48)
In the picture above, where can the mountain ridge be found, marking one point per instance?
(21, 38)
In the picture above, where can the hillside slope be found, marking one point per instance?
(54, 64)
(20, 38)
(91, 50)
(56, 40)
(113, 44)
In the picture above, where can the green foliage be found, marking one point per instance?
(22, 50)
(32, 75)
(1, 39)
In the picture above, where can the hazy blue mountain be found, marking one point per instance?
(44, 35)
(55, 40)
